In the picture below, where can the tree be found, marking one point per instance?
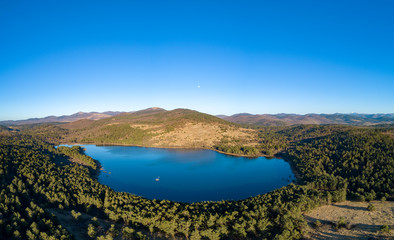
(91, 231)
(75, 214)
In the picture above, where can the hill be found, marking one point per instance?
(283, 119)
(156, 127)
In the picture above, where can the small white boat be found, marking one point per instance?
(157, 179)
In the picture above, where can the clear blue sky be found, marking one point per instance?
(217, 57)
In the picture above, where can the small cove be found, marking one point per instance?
(187, 175)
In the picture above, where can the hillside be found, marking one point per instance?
(294, 119)
(183, 128)
(156, 127)
(360, 222)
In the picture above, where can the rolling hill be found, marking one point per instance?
(283, 119)
(183, 128)
(156, 127)
(64, 118)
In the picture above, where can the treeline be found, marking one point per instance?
(49, 132)
(77, 153)
(117, 134)
(273, 140)
(365, 158)
(238, 149)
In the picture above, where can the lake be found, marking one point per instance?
(187, 175)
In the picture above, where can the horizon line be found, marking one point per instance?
(239, 113)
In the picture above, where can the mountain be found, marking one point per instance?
(283, 119)
(64, 118)
(156, 127)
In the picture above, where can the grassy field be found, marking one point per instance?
(360, 223)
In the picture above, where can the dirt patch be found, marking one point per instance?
(200, 135)
(361, 223)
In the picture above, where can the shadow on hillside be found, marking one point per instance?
(351, 231)
(352, 207)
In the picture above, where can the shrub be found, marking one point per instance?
(91, 231)
(341, 223)
(317, 224)
(385, 228)
(371, 207)
(75, 214)
(127, 233)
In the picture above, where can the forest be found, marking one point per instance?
(40, 182)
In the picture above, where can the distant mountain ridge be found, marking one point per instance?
(284, 119)
(64, 118)
(77, 116)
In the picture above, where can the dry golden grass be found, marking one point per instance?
(363, 224)
(200, 135)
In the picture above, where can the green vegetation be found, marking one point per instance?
(317, 224)
(92, 231)
(342, 223)
(118, 134)
(75, 214)
(371, 207)
(294, 119)
(25, 170)
(48, 132)
(273, 140)
(333, 163)
(385, 228)
(77, 154)
(238, 150)
(364, 157)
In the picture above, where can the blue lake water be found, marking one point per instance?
(187, 175)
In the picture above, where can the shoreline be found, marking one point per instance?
(280, 155)
(170, 147)
(297, 175)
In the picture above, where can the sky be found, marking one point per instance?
(217, 57)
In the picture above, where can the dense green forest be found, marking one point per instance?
(39, 181)
(273, 140)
